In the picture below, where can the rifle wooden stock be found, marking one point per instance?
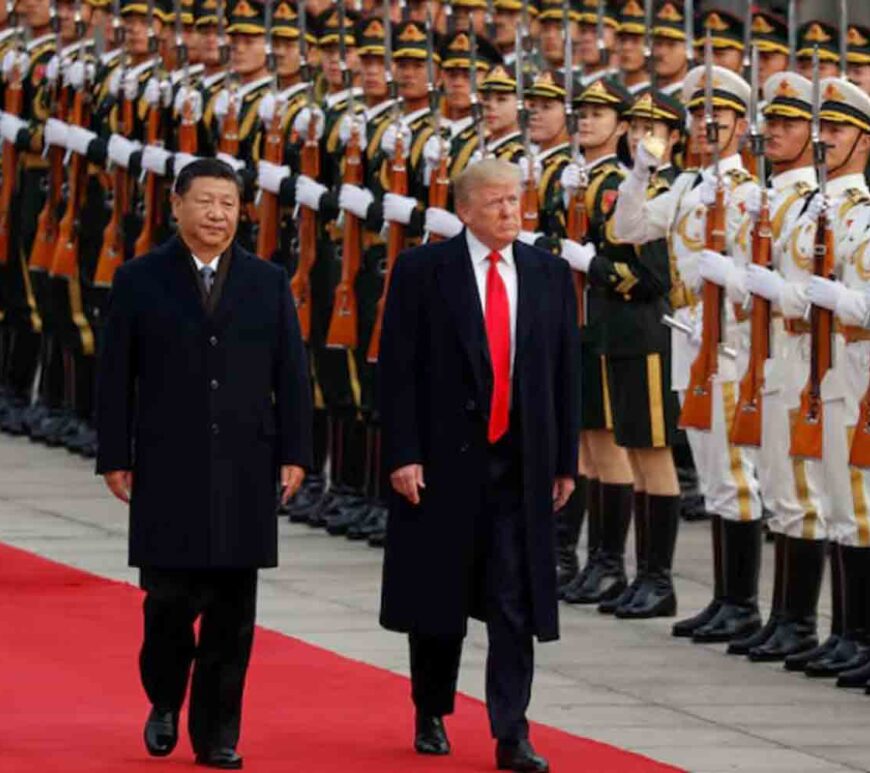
(187, 137)
(529, 204)
(300, 284)
(342, 333)
(112, 249)
(859, 454)
(577, 228)
(439, 189)
(746, 427)
(12, 104)
(229, 141)
(806, 432)
(268, 208)
(45, 241)
(697, 411)
(151, 197)
(395, 244)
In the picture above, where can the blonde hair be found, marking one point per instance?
(489, 171)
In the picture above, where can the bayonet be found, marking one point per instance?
(747, 41)
(432, 86)
(820, 149)
(844, 37)
(489, 19)
(647, 42)
(689, 29)
(792, 35)
(603, 51)
(476, 108)
(710, 121)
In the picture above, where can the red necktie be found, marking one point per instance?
(498, 334)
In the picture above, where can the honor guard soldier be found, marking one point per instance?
(501, 115)
(818, 36)
(671, 47)
(728, 36)
(551, 21)
(211, 48)
(858, 57)
(770, 37)
(598, 23)
(465, 14)
(630, 47)
(508, 17)
(726, 472)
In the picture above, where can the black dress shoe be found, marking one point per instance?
(224, 758)
(800, 660)
(430, 737)
(161, 732)
(519, 756)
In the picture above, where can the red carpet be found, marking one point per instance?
(70, 700)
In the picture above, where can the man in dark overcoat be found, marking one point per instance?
(480, 405)
(203, 407)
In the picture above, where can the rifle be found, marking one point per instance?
(489, 20)
(476, 107)
(697, 409)
(112, 250)
(273, 152)
(187, 139)
(529, 205)
(151, 198)
(603, 51)
(844, 38)
(65, 257)
(649, 60)
(45, 240)
(399, 185)
(13, 102)
(806, 436)
(439, 182)
(792, 35)
(229, 129)
(300, 284)
(746, 427)
(577, 226)
(342, 332)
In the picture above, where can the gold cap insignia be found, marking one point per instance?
(817, 34)
(833, 93)
(785, 89)
(716, 23)
(284, 12)
(645, 102)
(209, 5)
(855, 38)
(412, 34)
(761, 26)
(375, 29)
(633, 8)
(669, 12)
(598, 88)
(244, 9)
(499, 72)
(460, 43)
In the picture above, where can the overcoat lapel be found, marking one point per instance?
(180, 279)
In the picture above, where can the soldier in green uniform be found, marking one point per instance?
(501, 114)
(670, 48)
(630, 39)
(551, 21)
(770, 37)
(858, 56)
(594, 52)
(816, 35)
(727, 35)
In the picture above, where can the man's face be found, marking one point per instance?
(729, 58)
(547, 119)
(66, 14)
(374, 82)
(843, 140)
(330, 58)
(247, 53)
(731, 127)
(826, 69)
(598, 126)
(500, 112)
(416, 10)
(457, 87)
(552, 43)
(411, 78)
(286, 52)
(639, 128)
(208, 213)
(859, 74)
(505, 28)
(136, 33)
(589, 54)
(630, 50)
(464, 17)
(785, 139)
(209, 45)
(168, 52)
(36, 13)
(492, 213)
(670, 56)
(770, 63)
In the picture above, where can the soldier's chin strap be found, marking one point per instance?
(848, 157)
(801, 151)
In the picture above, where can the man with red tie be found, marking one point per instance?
(480, 409)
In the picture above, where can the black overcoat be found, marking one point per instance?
(202, 405)
(436, 378)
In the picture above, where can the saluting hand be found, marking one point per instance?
(120, 483)
(407, 481)
(291, 479)
(562, 490)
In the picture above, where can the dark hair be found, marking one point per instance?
(204, 167)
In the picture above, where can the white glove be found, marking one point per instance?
(752, 202)
(475, 157)
(355, 200)
(697, 333)
(52, 70)
(853, 307)
(440, 221)
(12, 59)
(347, 124)
(388, 138)
(309, 192)
(579, 256)
(235, 163)
(181, 160)
(223, 101)
(190, 97)
(398, 209)
(55, 132)
(115, 82)
(529, 237)
(10, 126)
(130, 86)
(824, 292)
(572, 177)
(270, 176)
(154, 93)
(707, 189)
(154, 159)
(716, 268)
(536, 168)
(266, 109)
(434, 148)
(120, 149)
(303, 120)
(764, 282)
(687, 267)
(78, 73)
(645, 163)
(818, 204)
(78, 139)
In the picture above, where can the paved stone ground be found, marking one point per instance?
(625, 683)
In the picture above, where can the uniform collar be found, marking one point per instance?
(248, 88)
(839, 185)
(600, 162)
(193, 71)
(411, 117)
(460, 125)
(791, 178)
(381, 107)
(493, 146)
(545, 154)
(729, 164)
(331, 100)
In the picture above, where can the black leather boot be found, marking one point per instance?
(804, 566)
(854, 562)
(686, 627)
(607, 578)
(738, 616)
(430, 736)
(569, 522)
(857, 673)
(641, 555)
(656, 597)
(593, 538)
(800, 660)
(743, 645)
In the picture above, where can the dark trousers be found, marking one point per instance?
(501, 588)
(225, 600)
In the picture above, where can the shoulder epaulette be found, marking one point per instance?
(739, 177)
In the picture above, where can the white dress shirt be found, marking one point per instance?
(200, 265)
(507, 269)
